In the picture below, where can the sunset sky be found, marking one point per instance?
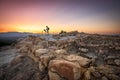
(91, 16)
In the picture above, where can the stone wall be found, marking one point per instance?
(59, 64)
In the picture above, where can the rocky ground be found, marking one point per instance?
(68, 56)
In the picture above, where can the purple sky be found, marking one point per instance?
(94, 16)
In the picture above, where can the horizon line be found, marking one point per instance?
(59, 32)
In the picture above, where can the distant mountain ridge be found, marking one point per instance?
(16, 34)
(7, 38)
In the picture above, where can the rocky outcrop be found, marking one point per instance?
(62, 69)
(108, 71)
(65, 59)
(21, 68)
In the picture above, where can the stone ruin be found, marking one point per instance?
(58, 62)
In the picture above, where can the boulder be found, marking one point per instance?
(87, 75)
(41, 52)
(110, 62)
(113, 77)
(96, 74)
(110, 57)
(41, 66)
(22, 49)
(107, 71)
(61, 51)
(117, 62)
(83, 50)
(64, 69)
(35, 47)
(84, 62)
(104, 78)
(45, 59)
(54, 76)
(101, 51)
(117, 48)
(35, 58)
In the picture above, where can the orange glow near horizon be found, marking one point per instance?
(37, 29)
(32, 16)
